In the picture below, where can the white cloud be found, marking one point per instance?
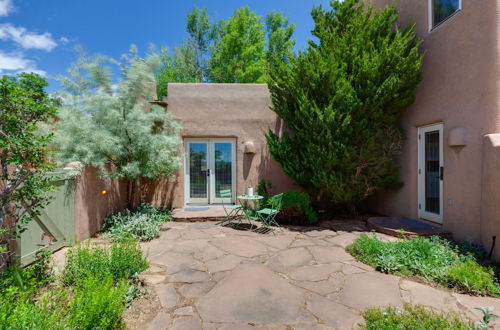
(16, 63)
(27, 39)
(64, 40)
(6, 7)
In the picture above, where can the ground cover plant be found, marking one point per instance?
(434, 259)
(92, 292)
(412, 318)
(142, 223)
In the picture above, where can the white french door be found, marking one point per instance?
(210, 167)
(430, 173)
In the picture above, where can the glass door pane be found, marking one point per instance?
(223, 168)
(432, 168)
(198, 166)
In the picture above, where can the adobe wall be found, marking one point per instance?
(460, 89)
(239, 111)
(91, 205)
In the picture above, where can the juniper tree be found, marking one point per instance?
(24, 163)
(341, 100)
(119, 132)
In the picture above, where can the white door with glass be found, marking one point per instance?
(210, 167)
(430, 173)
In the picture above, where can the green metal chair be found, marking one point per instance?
(233, 212)
(268, 215)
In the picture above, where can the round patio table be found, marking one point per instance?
(244, 199)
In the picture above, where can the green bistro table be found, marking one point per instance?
(245, 201)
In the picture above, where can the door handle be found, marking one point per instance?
(441, 173)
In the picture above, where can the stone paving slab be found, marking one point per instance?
(212, 277)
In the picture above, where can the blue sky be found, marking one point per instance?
(40, 35)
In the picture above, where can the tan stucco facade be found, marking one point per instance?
(237, 112)
(460, 89)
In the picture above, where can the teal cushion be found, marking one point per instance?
(268, 211)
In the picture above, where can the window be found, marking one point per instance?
(441, 10)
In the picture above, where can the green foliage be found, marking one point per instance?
(342, 98)
(263, 188)
(296, 206)
(24, 105)
(98, 303)
(411, 318)
(434, 259)
(120, 261)
(27, 311)
(240, 49)
(142, 224)
(117, 131)
(238, 53)
(468, 276)
(280, 42)
(488, 316)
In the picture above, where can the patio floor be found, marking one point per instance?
(199, 213)
(204, 276)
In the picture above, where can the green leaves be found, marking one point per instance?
(24, 106)
(118, 131)
(341, 99)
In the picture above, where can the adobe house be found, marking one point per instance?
(224, 145)
(450, 164)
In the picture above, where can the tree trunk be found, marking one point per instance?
(131, 187)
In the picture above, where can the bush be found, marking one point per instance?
(468, 276)
(435, 259)
(411, 318)
(296, 209)
(120, 261)
(98, 303)
(143, 223)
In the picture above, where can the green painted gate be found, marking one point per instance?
(56, 220)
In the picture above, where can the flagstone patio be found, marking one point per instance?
(204, 276)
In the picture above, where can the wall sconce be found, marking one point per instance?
(457, 137)
(249, 147)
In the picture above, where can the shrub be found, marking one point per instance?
(411, 318)
(120, 261)
(295, 208)
(468, 276)
(98, 303)
(143, 223)
(433, 258)
(25, 310)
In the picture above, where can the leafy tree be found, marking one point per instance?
(24, 104)
(179, 66)
(341, 100)
(187, 63)
(121, 133)
(279, 39)
(238, 53)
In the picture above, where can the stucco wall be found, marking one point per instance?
(459, 88)
(91, 206)
(238, 111)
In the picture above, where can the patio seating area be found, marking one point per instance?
(205, 276)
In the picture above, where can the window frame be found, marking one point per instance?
(431, 14)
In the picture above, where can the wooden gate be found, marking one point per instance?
(56, 220)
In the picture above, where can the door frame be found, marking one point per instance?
(422, 213)
(211, 199)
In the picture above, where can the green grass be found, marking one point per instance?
(142, 224)
(92, 292)
(411, 318)
(434, 259)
